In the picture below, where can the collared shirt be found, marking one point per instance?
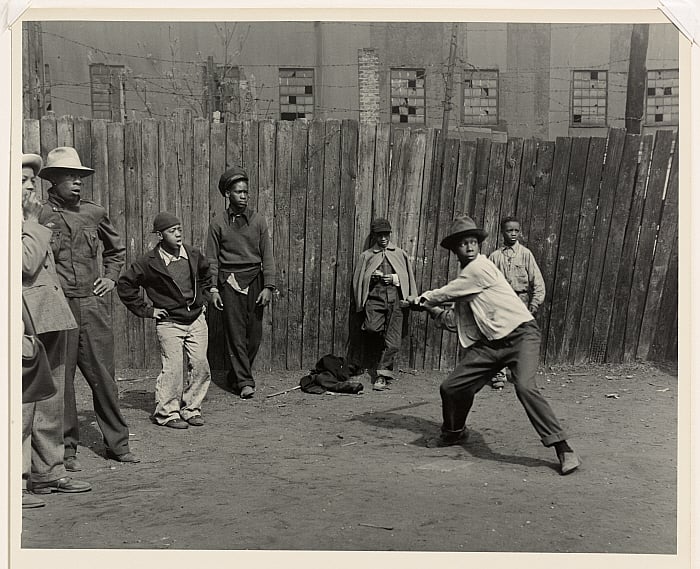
(518, 265)
(169, 258)
(483, 297)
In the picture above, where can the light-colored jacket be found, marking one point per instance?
(518, 265)
(370, 259)
(483, 304)
(43, 298)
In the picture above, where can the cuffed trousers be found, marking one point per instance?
(518, 351)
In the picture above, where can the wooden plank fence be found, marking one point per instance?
(599, 214)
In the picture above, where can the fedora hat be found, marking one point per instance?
(64, 158)
(462, 226)
(32, 161)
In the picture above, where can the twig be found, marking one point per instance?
(375, 526)
(284, 391)
(348, 444)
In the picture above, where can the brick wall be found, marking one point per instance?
(368, 63)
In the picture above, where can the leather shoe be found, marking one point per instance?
(247, 392)
(126, 457)
(29, 500)
(72, 465)
(65, 484)
(176, 424)
(196, 421)
(569, 462)
(379, 384)
(446, 440)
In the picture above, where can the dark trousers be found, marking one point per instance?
(243, 331)
(383, 325)
(90, 348)
(518, 351)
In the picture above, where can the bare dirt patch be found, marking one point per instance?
(350, 472)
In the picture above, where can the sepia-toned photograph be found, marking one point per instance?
(390, 286)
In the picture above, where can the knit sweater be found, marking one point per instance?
(240, 246)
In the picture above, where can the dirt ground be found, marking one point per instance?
(350, 472)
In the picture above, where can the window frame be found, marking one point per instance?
(468, 76)
(280, 71)
(120, 94)
(646, 99)
(422, 98)
(572, 99)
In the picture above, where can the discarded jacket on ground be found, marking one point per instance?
(330, 374)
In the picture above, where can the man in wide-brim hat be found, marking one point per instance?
(78, 228)
(499, 331)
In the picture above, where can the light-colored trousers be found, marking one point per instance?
(42, 421)
(176, 397)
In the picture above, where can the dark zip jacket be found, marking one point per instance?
(151, 274)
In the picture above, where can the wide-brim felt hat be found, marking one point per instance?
(231, 176)
(462, 226)
(32, 161)
(64, 158)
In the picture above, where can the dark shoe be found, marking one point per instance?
(379, 384)
(72, 465)
(196, 421)
(247, 392)
(126, 457)
(446, 440)
(66, 485)
(29, 500)
(569, 462)
(499, 380)
(176, 424)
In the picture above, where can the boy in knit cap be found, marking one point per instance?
(383, 277)
(239, 250)
(177, 280)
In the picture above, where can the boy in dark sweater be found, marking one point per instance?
(177, 280)
(239, 250)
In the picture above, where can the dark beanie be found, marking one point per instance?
(380, 225)
(230, 176)
(164, 220)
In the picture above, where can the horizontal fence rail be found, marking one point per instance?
(599, 214)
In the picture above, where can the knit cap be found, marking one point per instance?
(163, 221)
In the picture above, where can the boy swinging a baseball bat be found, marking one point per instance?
(499, 331)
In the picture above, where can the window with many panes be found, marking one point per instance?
(589, 99)
(662, 97)
(480, 97)
(408, 96)
(296, 94)
(107, 91)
